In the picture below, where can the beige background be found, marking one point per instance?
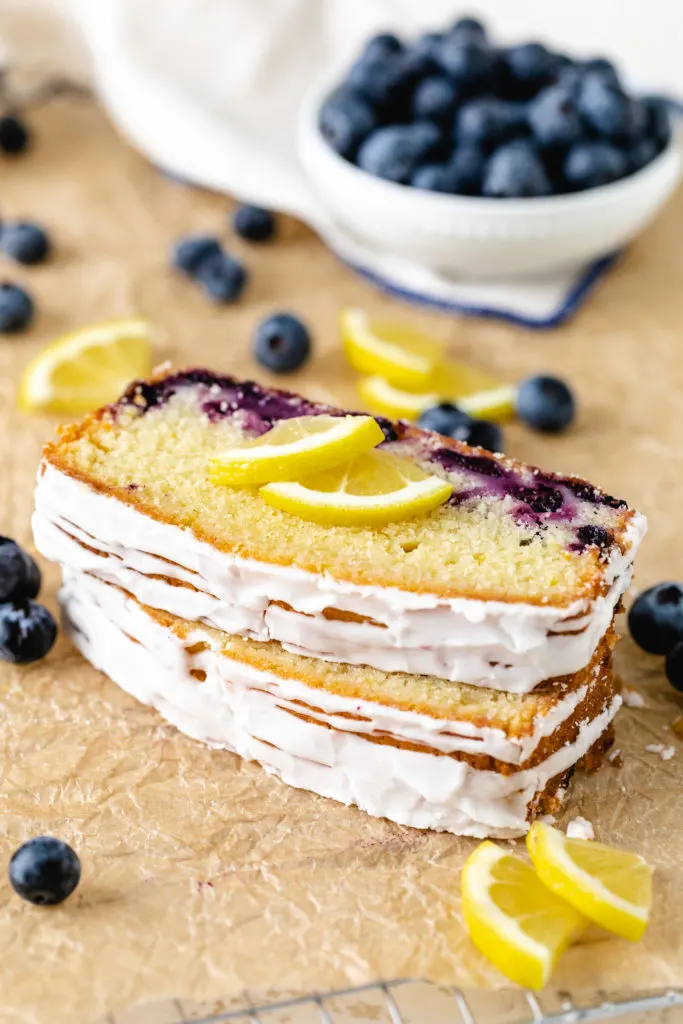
(201, 876)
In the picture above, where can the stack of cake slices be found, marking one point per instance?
(448, 671)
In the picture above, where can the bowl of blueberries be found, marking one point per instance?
(479, 161)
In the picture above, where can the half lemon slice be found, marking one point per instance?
(495, 403)
(295, 448)
(87, 368)
(373, 489)
(611, 887)
(400, 354)
(518, 924)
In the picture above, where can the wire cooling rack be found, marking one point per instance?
(408, 1002)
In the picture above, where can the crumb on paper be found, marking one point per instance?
(580, 828)
(633, 698)
(666, 753)
(616, 757)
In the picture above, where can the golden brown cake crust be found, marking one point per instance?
(90, 428)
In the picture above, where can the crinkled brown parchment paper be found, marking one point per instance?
(201, 875)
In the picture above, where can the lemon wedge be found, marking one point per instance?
(518, 924)
(87, 368)
(295, 448)
(400, 354)
(496, 403)
(373, 489)
(611, 887)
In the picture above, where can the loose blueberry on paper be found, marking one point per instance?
(14, 135)
(27, 630)
(254, 223)
(656, 618)
(16, 308)
(546, 404)
(24, 242)
(447, 419)
(44, 871)
(221, 277)
(282, 343)
(674, 666)
(655, 621)
(19, 574)
(540, 122)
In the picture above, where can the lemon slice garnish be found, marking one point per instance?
(402, 355)
(384, 398)
(295, 448)
(372, 489)
(87, 368)
(497, 403)
(518, 924)
(611, 887)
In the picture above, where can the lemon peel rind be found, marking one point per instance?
(348, 437)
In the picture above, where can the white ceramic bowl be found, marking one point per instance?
(471, 237)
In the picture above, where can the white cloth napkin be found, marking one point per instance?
(210, 91)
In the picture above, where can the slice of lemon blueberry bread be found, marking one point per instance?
(509, 583)
(416, 749)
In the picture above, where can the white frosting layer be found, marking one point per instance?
(505, 646)
(255, 714)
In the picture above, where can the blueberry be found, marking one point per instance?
(25, 242)
(570, 78)
(44, 871)
(427, 46)
(480, 434)
(384, 44)
(443, 419)
(345, 122)
(642, 153)
(487, 122)
(375, 81)
(466, 170)
(16, 308)
(529, 67)
(433, 178)
(434, 99)
(19, 574)
(589, 164)
(221, 277)
(447, 419)
(655, 619)
(27, 632)
(603, 68)
(594, 536)
(471, 64)
(554, 119)
(516, 170)
(606, 110)
(468, 29)
(282, 343)
(546, 404)
(394, 152)
(14, 135)
(674, 666)
(658, 122)
(254, 223)
(190, 252)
